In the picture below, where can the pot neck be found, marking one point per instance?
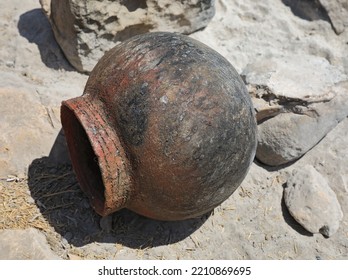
(98, 158)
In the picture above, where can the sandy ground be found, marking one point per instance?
(253, 223)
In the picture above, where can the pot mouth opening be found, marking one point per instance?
(83, 157)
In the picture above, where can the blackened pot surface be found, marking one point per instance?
(169, 124)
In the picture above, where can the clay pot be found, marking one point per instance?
(165, 127)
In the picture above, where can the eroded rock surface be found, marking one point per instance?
(338, 13)
(298, 100)
(312, 202)
(27, 244)
(85, 30)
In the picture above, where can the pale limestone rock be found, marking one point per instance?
(85, 30)
(26, 244)
(338, 12)
(311, 201)
(298, 100)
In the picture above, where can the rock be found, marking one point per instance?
(329, 158)
(25, 244)
(281, 84)
(25, 122)
(311, 202)
(85, 30)
(298, 100)
(338, 13)
(288, 136)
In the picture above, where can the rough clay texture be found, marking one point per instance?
(298, 100)
(26, 244)
(312, 202)
(85, 30)
(254, 223)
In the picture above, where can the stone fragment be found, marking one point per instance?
(298, 100)
(85, 30)
(288, 136)
(338, 13)
(25, 244)
(282, 84)
(311, 201)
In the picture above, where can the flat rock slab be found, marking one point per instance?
(286, 81)
(24, 122)
(26, 244)
(311, 201)
(298, 100)
(85, 30)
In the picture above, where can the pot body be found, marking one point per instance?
(165, 127)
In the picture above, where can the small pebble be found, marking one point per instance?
(65, 243)
(9, 64)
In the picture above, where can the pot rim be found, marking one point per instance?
(97, 156)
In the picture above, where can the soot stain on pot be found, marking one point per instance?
(176, 48)
(133, 113)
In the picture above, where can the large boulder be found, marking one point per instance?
(85, 30)
(298, 100)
